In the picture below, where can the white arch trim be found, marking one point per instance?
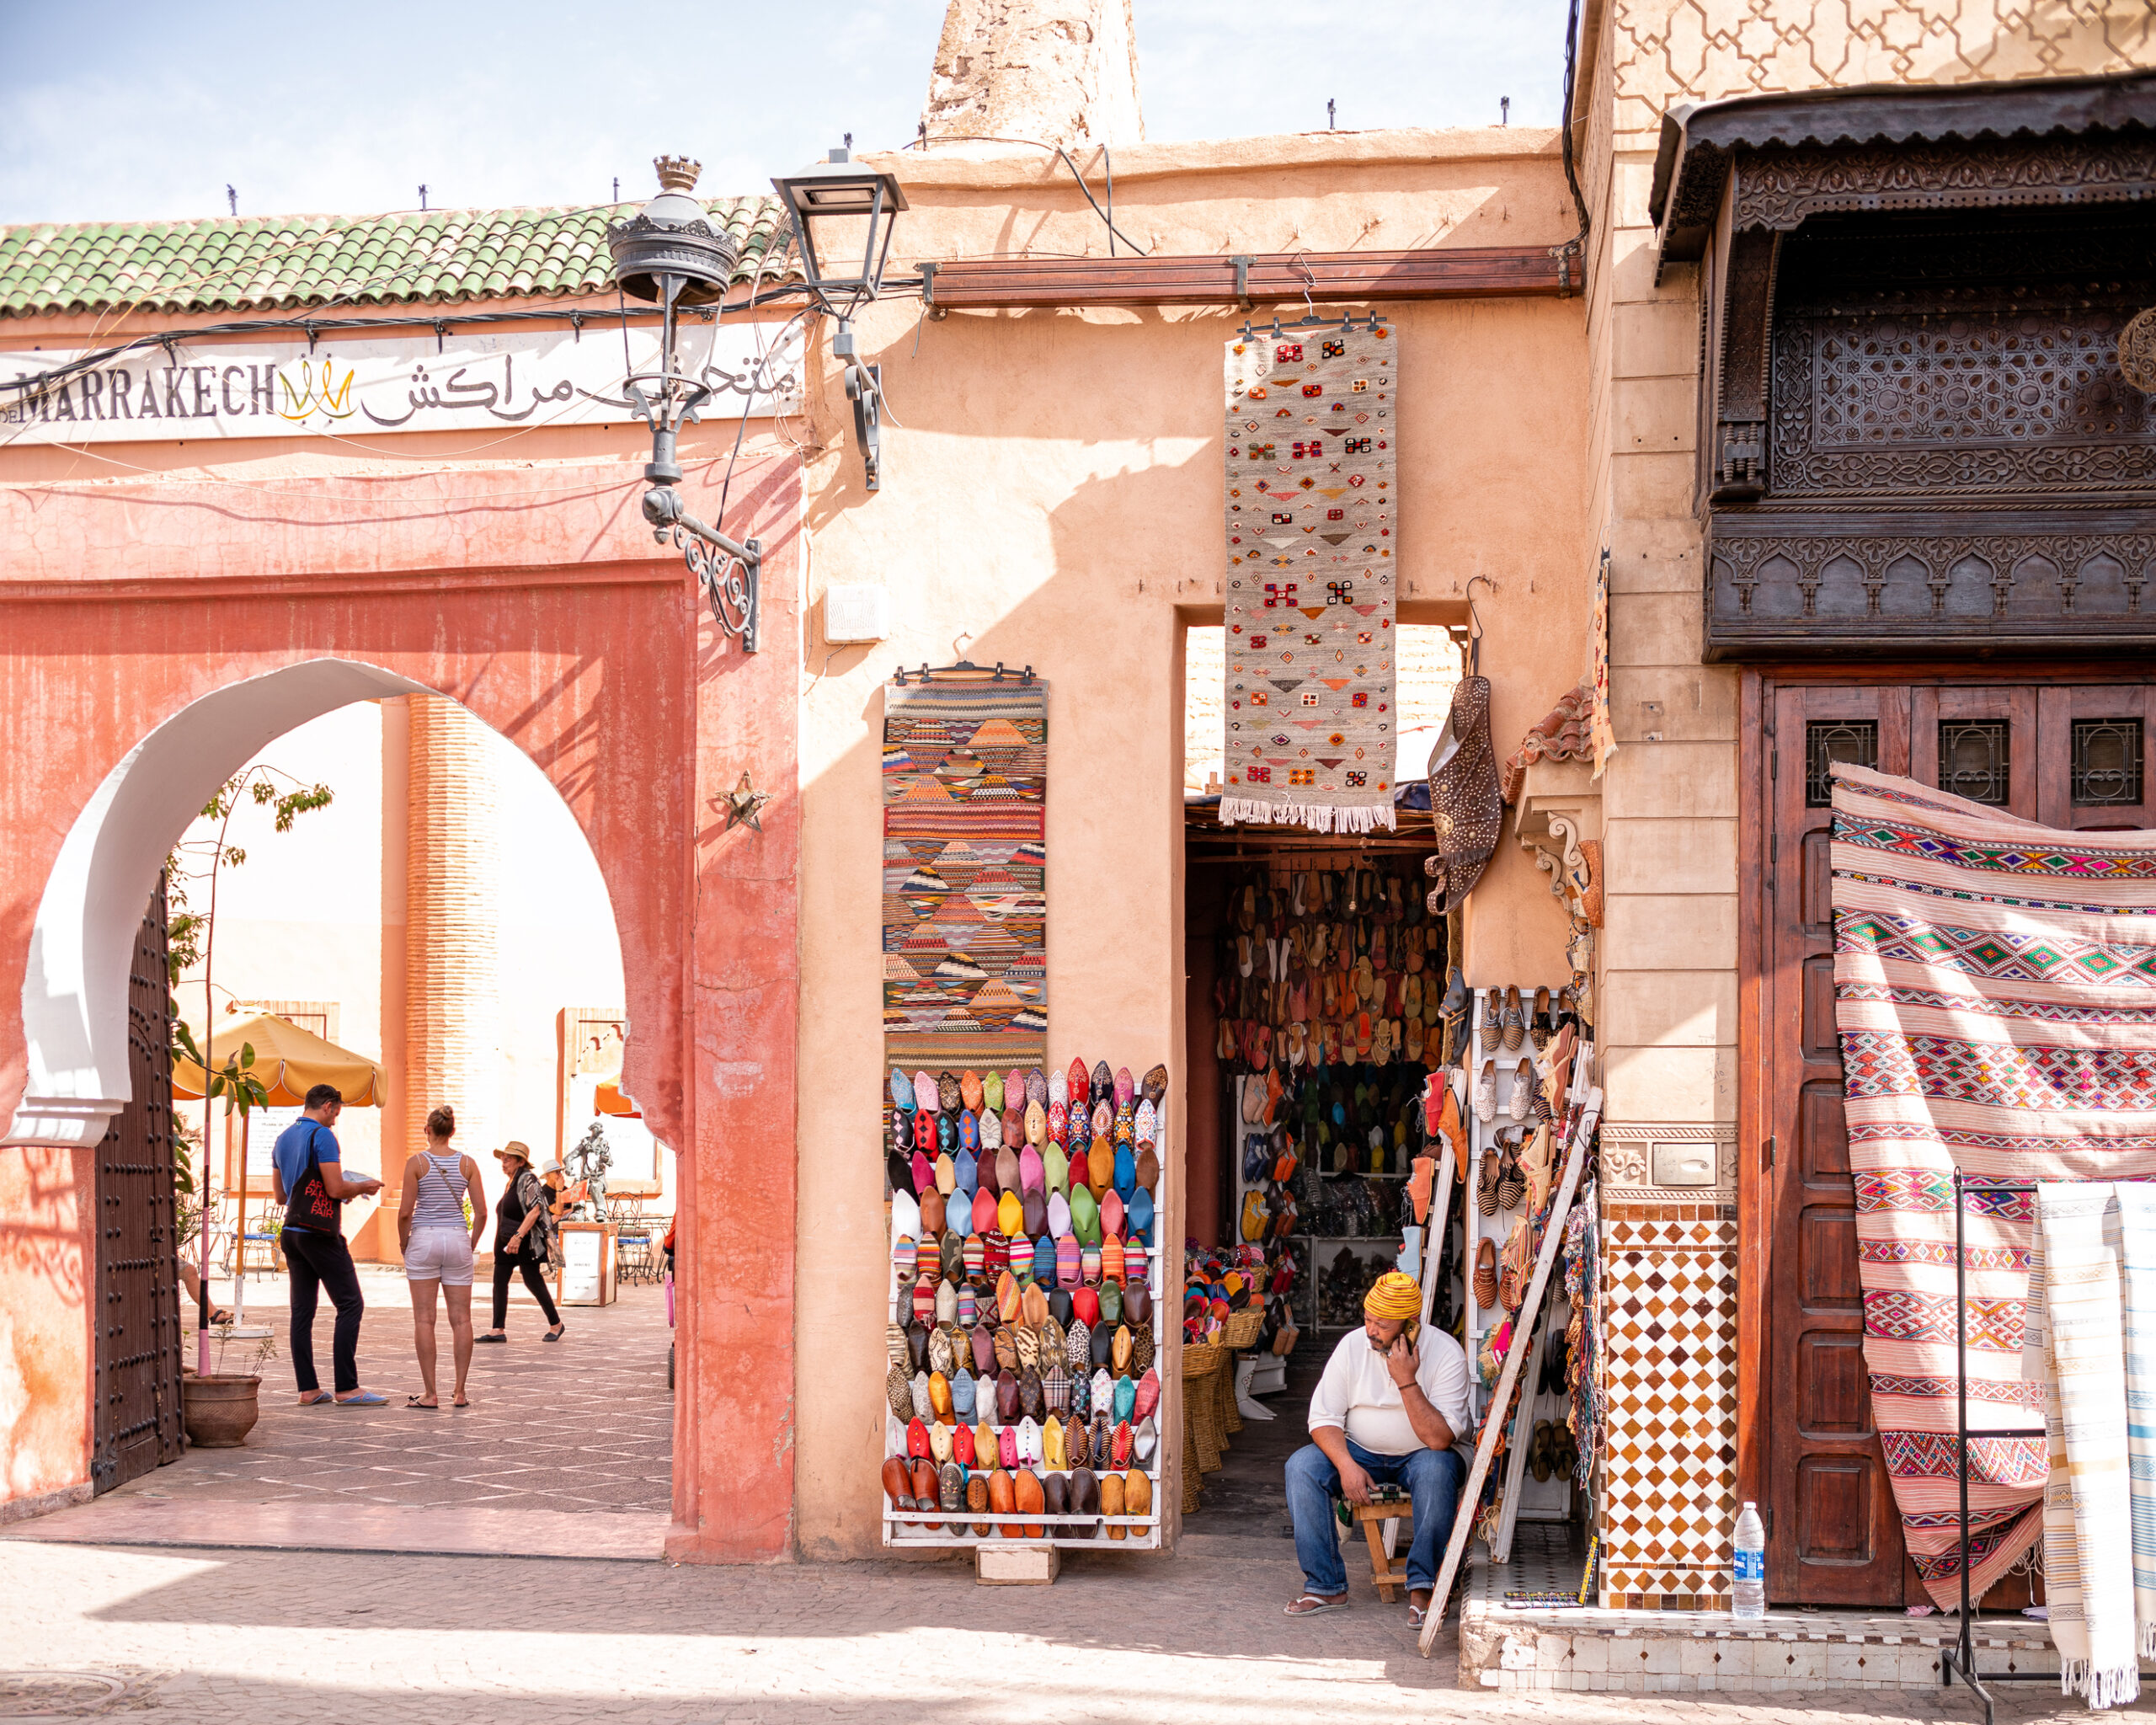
(83, 944)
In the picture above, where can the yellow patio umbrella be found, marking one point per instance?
(288, 1060)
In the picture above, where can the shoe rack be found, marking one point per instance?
(1491, 1044)
(1097, 1529)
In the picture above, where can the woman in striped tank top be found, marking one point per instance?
(439, 1217)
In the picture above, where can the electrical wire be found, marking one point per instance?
(1577, 245)
(1062, 156)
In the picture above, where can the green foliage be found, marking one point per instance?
(238, 1085)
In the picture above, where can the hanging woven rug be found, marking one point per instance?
(1995, 994)
(965, 906)
(1312, 520)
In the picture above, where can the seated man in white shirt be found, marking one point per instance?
(1387, 1411)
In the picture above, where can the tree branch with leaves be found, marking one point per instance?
(191, 939)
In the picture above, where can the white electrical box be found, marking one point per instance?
(1685, 1164)
(856, 611)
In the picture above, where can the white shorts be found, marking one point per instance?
(441, 1255)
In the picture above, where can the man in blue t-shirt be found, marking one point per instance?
(310, 1182)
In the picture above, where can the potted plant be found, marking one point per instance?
(219, 1408)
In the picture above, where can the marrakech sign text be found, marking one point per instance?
(470, 383)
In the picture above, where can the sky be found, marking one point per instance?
(121, 109)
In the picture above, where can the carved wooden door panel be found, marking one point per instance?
(1834, 1536)
(136, 1423)
(2090, 772)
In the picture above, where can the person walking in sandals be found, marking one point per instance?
(308, 1178)
(438, 1229)
(526, 1242)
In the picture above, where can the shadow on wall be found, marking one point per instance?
(44, 1364)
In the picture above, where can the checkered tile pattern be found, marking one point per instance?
(1669, 1317)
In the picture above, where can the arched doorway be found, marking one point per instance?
(607, 679)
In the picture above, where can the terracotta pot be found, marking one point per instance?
(219, 1412)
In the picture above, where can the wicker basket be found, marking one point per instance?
(1242, 1327)
(1203, 1371)
(1190, 1467)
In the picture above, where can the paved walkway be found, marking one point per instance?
(583, 1424)
(276, 1637)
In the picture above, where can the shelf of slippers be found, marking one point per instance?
(1328, 968)
(1024, 1303)
(1517, 1037)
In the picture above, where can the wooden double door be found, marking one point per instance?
(2067, 754)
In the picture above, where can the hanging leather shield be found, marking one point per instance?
(1465, 809)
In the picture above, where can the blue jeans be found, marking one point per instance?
(1433, 1477)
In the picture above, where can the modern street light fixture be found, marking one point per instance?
(833, 204)
(669, 254)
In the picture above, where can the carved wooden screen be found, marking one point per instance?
(1924, 442)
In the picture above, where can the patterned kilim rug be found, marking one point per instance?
(1995, 990)
(1312, 515)
(965, 906)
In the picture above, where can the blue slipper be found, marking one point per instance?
(367, 1400)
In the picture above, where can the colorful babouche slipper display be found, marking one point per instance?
(1022, 1341)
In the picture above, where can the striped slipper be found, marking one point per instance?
(1111, 1259)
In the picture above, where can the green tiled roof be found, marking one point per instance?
(284, 261)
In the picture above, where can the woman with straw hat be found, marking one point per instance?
(526, 1242)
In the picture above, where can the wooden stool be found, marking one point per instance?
(1387, 1573)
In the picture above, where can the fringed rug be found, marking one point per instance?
(2080, 1348)
(1312, 529)
(1995, 991)
(965, 904)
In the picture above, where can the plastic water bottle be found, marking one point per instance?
(1751, 1596)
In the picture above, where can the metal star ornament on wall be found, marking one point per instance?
(744, 804)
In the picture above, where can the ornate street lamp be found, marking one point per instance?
(669, 255)
(839, 207)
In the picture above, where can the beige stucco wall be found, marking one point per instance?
(1056, 496)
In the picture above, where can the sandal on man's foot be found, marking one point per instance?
(1308, 1604)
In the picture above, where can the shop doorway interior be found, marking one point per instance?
(1315, 978)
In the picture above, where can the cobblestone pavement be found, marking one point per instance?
(586, 1423)
(274, 1636)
